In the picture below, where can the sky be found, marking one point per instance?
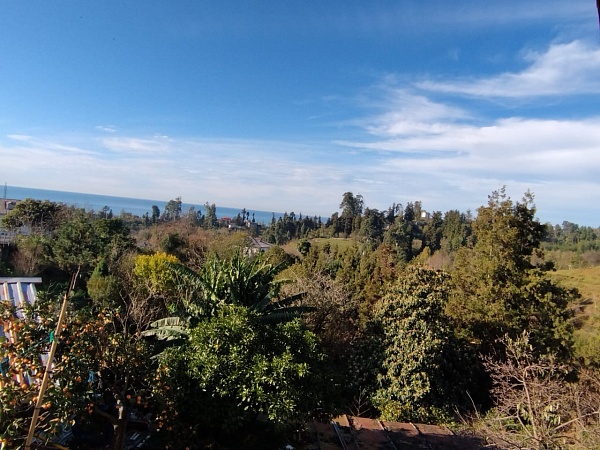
(286, 105)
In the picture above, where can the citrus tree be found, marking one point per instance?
(100, 374)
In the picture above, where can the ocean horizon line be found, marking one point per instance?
(132, 205)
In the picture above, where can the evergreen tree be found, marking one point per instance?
(500, 289)
(424, 371)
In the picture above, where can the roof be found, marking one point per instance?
(19, 291)
(370, 434)
(259, 244)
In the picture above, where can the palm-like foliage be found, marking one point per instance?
(241, 280)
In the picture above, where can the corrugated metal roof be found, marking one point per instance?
(19, 292)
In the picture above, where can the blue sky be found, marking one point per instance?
(286, 105)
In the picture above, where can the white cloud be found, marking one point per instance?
(409, 113)
(106, 128)
(564, 69)
(546, 156)
(158, 144)
(19, 137)
(416, 146)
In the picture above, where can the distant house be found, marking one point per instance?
(224, 222)
(257, 245)
(7, 205)
(18, 292)
(6, 236)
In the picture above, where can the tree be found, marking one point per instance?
(32, 255)
(239, 280)
(399, 236)
(424, 372)
(152, 290)
(304, 246)
(101, 374)
(409, 212)
(238, 367)
(210, 215)
(455, 231)
(351, 205)
(82, 241)
(173, 209)
(432, 232)
(500, 289)
(371, 226)
(39, 216)
(155, 214)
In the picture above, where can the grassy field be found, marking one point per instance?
(587, 312)
(340, 243)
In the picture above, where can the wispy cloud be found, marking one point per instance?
(156, 144)
(422, 144)
(19, 137)
(410, 114)
(413, 141)
(106, 128)
(563, 69)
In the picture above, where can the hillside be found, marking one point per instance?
(587, 312)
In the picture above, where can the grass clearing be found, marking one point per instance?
(587, 311)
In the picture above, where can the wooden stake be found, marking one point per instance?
(46, 379)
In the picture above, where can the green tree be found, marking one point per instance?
(210, 215)
(432, 232)
(399, 236)
(103, 288)
(424, 370)
(39, 216)
(351, 205)
(82, 241)
(304, 246)
(173, 209)
(372, 226)
(155, 214)
(240, 367)
(500, 289)
(456, 229)
(100, 375)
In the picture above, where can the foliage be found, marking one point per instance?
(32, 254)
(539, 403)
(100, 373)
(210, 217)
(104, 289)
(39, 216)
(499, 287)
(154, 271)
(303, 246)
(172, 209)
(351, 205)
(82, 241)
(243, 367)
(424, 371)
(571, 237)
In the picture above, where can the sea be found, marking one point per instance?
(118, 205)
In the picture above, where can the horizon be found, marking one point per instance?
(261, 213)
(278, 105)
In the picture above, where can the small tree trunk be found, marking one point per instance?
(120, 429)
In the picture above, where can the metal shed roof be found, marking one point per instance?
(19, 291)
